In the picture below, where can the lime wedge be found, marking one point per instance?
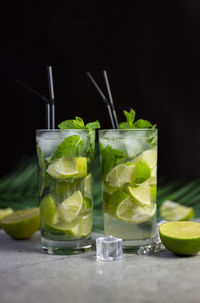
(182, 238)
(78, 229)
(172, 211)
(5, 212)
(48, 210)
(142, 172)
(70, 208)
(120, 175)
(149, 156)
(124, 207)
(61, 229)
(22, 224)
(65, 168)
(141, 194)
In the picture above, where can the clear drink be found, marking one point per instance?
(129, 183)
(65, 161)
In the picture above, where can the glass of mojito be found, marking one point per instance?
(65, 161)
(129, 184)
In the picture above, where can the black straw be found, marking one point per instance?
(51, 95)
(104, 99)
(36, 93)
(110, 98)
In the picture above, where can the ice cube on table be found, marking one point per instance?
(48, 142)
(109, 248)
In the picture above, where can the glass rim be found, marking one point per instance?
(128, 129)
(63, 130)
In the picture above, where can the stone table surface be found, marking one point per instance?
(31, 276)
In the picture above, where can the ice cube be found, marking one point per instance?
(135, 143)
(109, 248)
(113, 138)
(48, 142)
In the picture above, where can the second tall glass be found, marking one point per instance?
(129, 183)
(65, 160)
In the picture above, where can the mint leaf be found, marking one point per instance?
(92, 125)
(70, 147)
(123, 125)
(142, 124)
(78, 123)
(130, 117)
(72, 124)
(108, 160)
(110, 157)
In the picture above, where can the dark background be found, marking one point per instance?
(150, 49)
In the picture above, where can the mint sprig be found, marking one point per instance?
(132, 124)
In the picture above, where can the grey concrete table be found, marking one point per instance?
(28, 275)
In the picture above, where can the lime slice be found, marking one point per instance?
(124, 207)
(172, 211)
(141, 194)
(142, 172)
(87, 183)
(5, 212)
(70, 208)
(65, 168)
(130, 212)
(149, 156)
(182, 238)
(120, 175)
(48, 210)
(22, 224)
(85, 226)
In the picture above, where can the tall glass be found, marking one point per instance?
(65, 162)
(129, 184)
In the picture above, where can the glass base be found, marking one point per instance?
(72, 247)
(130, 246)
